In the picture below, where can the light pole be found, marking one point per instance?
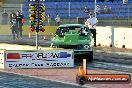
(125, 2)
(128, 15)
(69, 11)
(95, 8)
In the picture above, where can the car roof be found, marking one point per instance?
(72, 25)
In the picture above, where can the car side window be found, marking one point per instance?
(84, 32)
(61, 31)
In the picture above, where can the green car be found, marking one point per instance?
(77, 37)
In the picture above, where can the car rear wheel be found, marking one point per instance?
(88, 56)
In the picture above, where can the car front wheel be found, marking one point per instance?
(88, 56)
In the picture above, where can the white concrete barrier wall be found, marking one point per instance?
(118, 37)
(104, 36)
(128, 38)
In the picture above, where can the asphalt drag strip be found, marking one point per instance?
(12, 80)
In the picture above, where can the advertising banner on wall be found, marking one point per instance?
(39, 59)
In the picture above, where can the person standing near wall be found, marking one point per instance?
(86, 10)
(98, 9)
(48, 19)
(13, 26)
(91, 23)
(12, 12)
(57, 19)
(19, 22)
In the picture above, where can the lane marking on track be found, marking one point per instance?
(120, 53)
(73, 84)
(114, 64)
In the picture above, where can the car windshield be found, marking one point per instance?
(80, 30)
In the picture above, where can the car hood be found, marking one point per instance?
(71, 39)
